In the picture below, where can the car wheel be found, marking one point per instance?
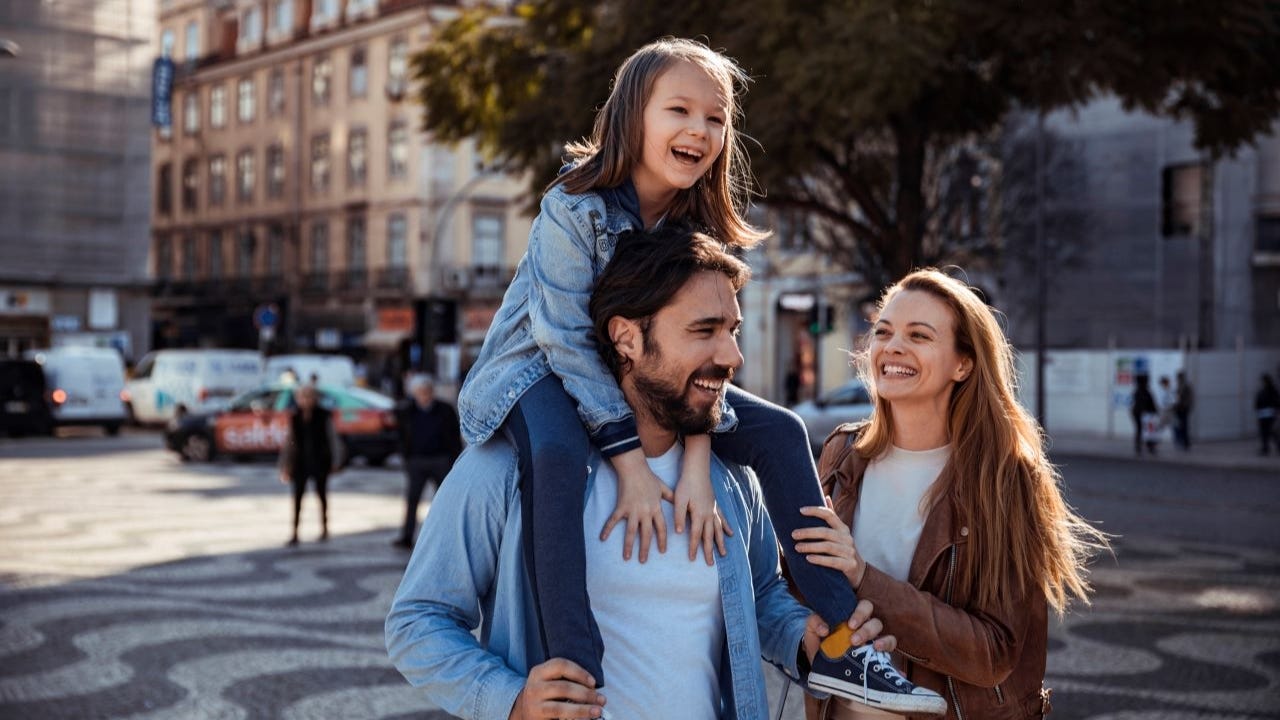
(113, 429)
(375, 460)
(197, 447)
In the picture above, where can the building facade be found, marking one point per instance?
(298, 207)
(74, 191)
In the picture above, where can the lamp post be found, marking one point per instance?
(1041, 290)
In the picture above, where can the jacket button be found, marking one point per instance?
(964, 531)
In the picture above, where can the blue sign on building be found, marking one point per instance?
(162, 92)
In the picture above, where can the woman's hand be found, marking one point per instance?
(830, 546)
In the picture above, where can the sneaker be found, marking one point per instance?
(867, 676)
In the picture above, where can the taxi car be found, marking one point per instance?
(257, 422)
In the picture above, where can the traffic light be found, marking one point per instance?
(822, 319)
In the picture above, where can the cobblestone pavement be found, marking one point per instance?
(133, 586)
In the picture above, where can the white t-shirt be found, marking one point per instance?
(887, 525)
(662, 623)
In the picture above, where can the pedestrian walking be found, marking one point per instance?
(1266, 405)
(1144, 413)
(311, 453)
(1186, 399)
(430, 441)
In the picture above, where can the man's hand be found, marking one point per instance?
(695, 501)
(866, 629)
(558, 688)
(640, 496)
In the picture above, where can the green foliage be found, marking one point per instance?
(857, 105)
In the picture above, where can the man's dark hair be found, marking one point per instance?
(646, 272)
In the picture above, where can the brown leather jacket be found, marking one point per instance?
(988, 665)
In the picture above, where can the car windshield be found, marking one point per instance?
(348, 398)
(851, 394)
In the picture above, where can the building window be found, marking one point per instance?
(217, 180)
(250, 30)
(357, 249)
(215, 254)
(397, 241)
(1180, 190)
(1268, 239)
(244, 176)
(358, 79)
(321, 80)
(320, 163)
(218, 106)
(244, 253)
(275, 171)
(164, 257)
(281, 17)
(398, 150)
(166, 44)
(189, 257)
(320, 246)
(190, 183)
(275, 92)
(357, 8)
(246, 102)
(323, 12)
(398, 61)
(192, 49)
(486, 240)
(275, 250)
(164, 189)
(191, 112)
(357, 157)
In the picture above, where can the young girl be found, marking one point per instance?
(663, 149)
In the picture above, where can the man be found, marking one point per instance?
(430, 440)
(311, 451)
(1186, 398)
(682, 639)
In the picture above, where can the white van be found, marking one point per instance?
(196, 380)
(85, 385)
(337, 370)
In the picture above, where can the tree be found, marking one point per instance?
(858, 105)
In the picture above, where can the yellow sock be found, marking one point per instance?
(838, 642)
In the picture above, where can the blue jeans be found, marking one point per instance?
(553, 449)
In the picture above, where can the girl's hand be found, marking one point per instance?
(830, 546)
(696, 507)
(640, 496)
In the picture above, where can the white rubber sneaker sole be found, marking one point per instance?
(932, 704)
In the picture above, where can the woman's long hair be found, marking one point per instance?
(1023, 536)
(718, 200)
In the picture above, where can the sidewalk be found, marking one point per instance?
(1229, 454)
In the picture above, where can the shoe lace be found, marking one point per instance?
(878, 661)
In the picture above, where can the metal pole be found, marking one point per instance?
(1041, 290)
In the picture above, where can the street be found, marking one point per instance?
(133, 585)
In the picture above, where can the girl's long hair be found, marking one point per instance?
(1023, 536)
(718, 200)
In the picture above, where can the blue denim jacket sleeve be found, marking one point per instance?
(449, 582)
(780, 617)
(562, 264)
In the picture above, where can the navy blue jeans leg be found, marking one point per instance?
(553, 451)
(773, 441)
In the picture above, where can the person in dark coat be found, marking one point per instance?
(430, 440)
(1144, 403)
(311, 451)
(1266, 406)
(1182, 412)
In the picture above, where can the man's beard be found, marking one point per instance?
(667, 404)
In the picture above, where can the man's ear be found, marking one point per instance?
(626, 337)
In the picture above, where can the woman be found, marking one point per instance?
(1266, 405)
(960, 535)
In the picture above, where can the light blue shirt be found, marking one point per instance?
(467, 571)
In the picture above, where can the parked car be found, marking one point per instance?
(24, 400)
(257, 422)
(197, 381)
(85, 385)
(849, 402)
(337, 370)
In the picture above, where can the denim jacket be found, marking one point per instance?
(467, 571)
(543, 325)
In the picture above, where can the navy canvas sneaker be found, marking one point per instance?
(867, 676)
